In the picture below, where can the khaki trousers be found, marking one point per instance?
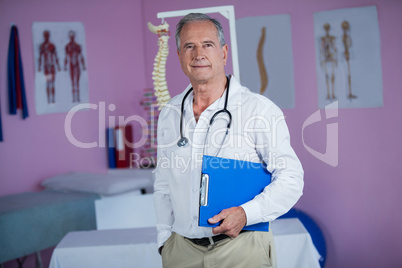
(249, 249)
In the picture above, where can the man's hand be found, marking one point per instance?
(234, 219)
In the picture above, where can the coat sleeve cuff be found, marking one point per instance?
(162, 237)
(253, 212)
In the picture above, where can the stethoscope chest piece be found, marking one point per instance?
(182, 142)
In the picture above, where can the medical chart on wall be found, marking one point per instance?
(61, 79)
(266, 57)
(348, 57)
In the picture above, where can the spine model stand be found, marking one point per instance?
(159, 72)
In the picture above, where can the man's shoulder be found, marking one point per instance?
(173, 105)
(175, 100)
(256, 100)
(250, 98)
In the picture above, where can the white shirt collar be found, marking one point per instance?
(235, 90)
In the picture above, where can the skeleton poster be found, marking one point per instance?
(61, 79)
(348, 59)
(266, 58)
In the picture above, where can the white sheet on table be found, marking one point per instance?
(137, 248)
(294, 247)
(108, 248)
(125, 211)
(110, 184)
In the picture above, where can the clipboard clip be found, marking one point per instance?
(204, 189)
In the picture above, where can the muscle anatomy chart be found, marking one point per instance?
(59, 86)
(260, 60)
(159, 72)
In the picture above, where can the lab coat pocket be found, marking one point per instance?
(167, 138)
(175, 158)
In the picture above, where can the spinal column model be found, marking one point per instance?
(159, 72)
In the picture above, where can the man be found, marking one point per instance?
(257, 133)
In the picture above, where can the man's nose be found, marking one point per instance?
(199, 54)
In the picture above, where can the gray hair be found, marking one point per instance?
(194, 17)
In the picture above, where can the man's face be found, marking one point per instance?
(201, 57)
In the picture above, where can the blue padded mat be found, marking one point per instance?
(314, 230)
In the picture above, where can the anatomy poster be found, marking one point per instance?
(266, 58)
(348, 59)
(61, 79)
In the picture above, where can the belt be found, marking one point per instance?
(206, 241)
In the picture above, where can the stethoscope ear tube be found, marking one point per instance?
(222, 111)
(183, 141)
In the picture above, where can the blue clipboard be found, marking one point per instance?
(227, 183)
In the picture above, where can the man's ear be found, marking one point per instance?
(225, 50)
(178, 54)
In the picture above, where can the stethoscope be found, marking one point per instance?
(183, 141)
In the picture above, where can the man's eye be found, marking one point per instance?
(189, 47)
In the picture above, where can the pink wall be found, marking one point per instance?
(355, 203)
(37, 148)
